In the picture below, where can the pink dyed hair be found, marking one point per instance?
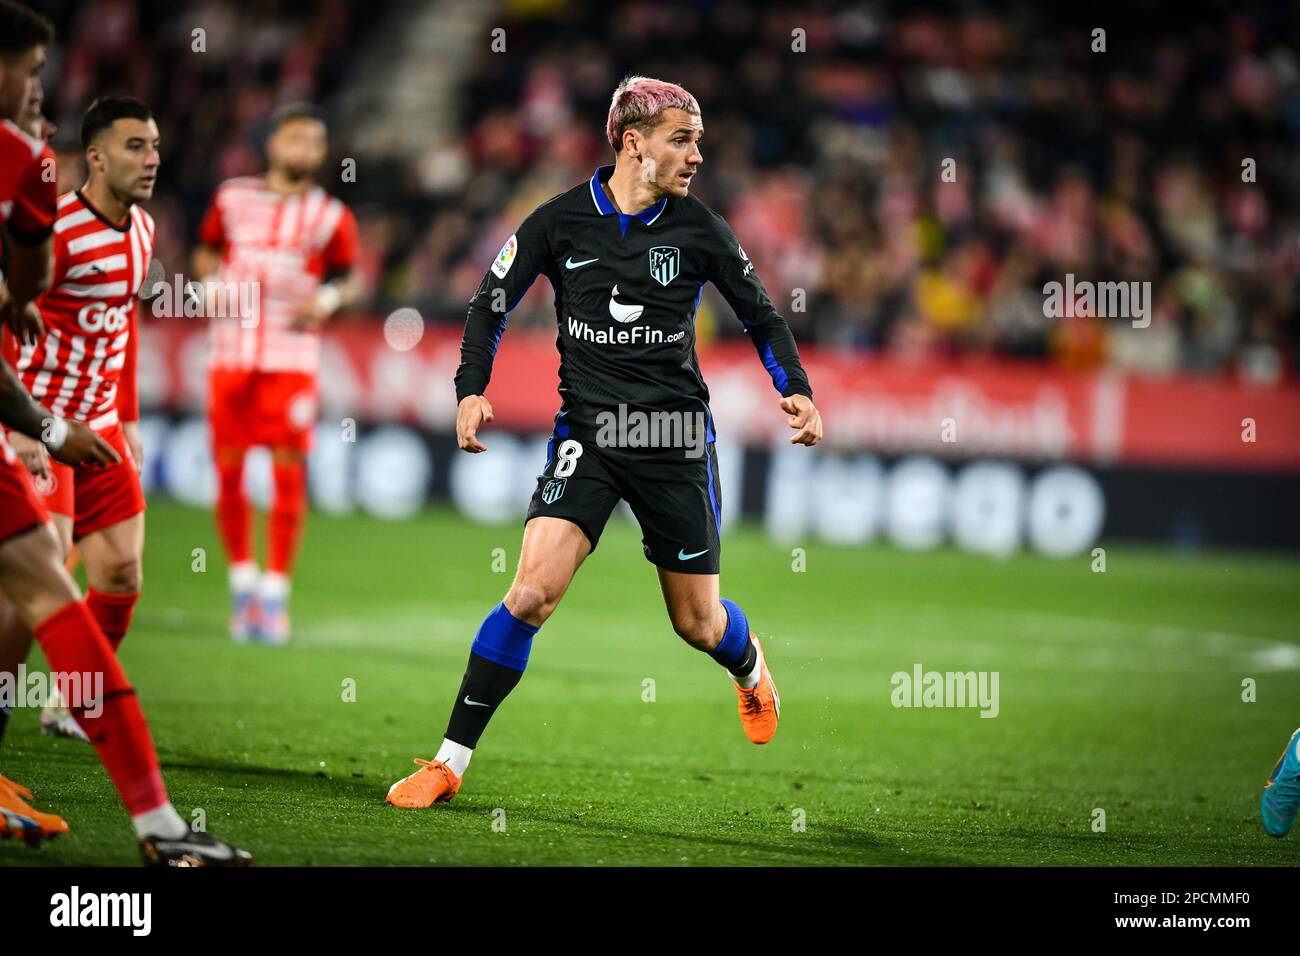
(639, 100)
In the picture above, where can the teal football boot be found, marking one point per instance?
(1281, 799)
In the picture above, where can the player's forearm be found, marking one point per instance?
(776, 347)
(478, 348)
(519, 262)
(30, 270)
(128, 395)
(474, 373)
(339, 294)
(18, 410)
(350, 289)
(204, 263)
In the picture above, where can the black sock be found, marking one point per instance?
(747, 664)
(4, 722)
(485, 685)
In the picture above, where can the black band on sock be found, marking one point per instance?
(485, 685)
(746, 665)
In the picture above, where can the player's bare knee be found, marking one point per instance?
(696, 627)
(700, 624)
(33, 577)
(119, 576)
(64, 538)
(530, 602)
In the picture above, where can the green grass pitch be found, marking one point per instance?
(1119, 691)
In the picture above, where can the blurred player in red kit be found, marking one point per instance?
(83, 366)
(293, 246)
(32, 576)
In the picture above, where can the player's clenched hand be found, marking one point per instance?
(805, 417)
(25, 322)
(31, 453)
(84, 447)
(474, 410)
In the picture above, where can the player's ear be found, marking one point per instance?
(632, 143)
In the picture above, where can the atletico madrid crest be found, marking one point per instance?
(665, 263)
(553, 489)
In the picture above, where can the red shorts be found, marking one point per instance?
(94, 498)
(274, 409)
(20, 508)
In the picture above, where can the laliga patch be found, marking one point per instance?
(505, 258)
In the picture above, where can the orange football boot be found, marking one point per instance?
(12, 826)
(14, 797)
(759, 706)
(432, 783)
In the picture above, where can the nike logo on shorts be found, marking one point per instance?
(683, 556)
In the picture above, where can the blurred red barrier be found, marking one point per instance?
(988, 408)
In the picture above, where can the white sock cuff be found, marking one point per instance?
(454, 755)
(274, 585)
(161, 821)
(242, 576)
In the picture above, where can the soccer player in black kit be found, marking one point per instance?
(628, 253)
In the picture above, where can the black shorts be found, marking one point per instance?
(677, 501)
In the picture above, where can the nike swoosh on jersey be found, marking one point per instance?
(570, 264)
(475, 703)
(683, 556)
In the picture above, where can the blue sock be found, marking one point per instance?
(733, 649)
(504, 639)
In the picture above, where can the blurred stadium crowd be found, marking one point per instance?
(1119, 165)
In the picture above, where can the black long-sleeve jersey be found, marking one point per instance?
(626, 291)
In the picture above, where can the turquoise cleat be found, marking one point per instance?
(273, 621)
(243, 616)
(1281, 799)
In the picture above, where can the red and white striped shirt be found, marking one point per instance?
(27, 198)
(278, 248)
(27, 188)
(89, 312)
